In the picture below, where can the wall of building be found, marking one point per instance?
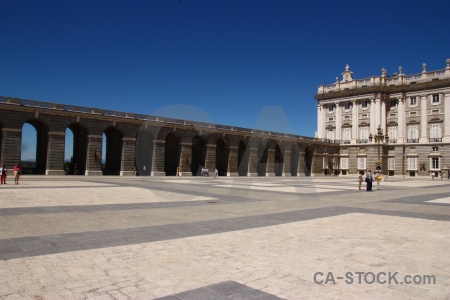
(163, 145)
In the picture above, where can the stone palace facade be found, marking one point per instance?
(401, 120)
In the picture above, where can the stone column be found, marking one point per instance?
(185, 159)
(320, 121)
(373, 126)
(270, 169)
(338, 122)
(377, 112)
(128, 156)
(11, 147)
(94, 155)
(158, 158)
(253, 161)
(423, 119)
(210, 160)
(233, 161)
(354, 122)
(383, 115)
(446, 133)
(301, 163)
(287, 163)
(401, 121)
(55, 158)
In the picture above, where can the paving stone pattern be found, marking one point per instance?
(226, 238)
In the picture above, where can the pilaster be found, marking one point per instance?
(270, 170)
(253, 162)
(401, 121)
(423, 119)
(186, 159)
(446, 134)
(210, 160)
(338, 121)
(94, 155)
(11, 146)
(286, 163)
(128, 157)
(233, 161)
(158, 158)
(55, 158)
(354, 121)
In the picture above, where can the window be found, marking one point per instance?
(331, 108)
(435, 149)
(435, 98)
(344, 162)
(364, 104)
(435, 131)
(346, 134)
(412, 101)
(347, 106)
(413, 133)
(364, 133)
(391, 163)
(412, 163)
(325, 162)
(394, 103)
(361, 163)
(330, 135)
(435, 163)
(392, 133)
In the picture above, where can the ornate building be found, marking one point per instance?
(401, 122)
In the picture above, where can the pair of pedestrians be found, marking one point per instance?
(4, 173)
(368, 180)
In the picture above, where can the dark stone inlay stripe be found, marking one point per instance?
(49, 244)
(116, 207)
(421, 199)
(225, 290)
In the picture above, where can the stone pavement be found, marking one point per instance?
(78, 237)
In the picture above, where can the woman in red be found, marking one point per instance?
(4, 174)
(17, 171)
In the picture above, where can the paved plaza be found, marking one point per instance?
(197, 238)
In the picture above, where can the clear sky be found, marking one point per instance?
(248, 63)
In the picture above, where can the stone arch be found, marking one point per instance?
(263, 155)
(113, 157)
(243, 157)
(172, 154)
(145, 147)
(279, 161)
(41, 146)
(198, 152)
(80, 146)
(222, 156)
(295, 157)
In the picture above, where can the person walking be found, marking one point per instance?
(360, 180)
(4, 173)
(216, 173)
(145, 170)
(17, 171)
(369, 180)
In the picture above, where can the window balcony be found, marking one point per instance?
(412, 140)
(345, 142)
(362, 141)
(392, 141)
(435, 139)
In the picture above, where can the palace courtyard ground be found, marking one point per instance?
(79, 237)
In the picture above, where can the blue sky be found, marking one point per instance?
(228, 62)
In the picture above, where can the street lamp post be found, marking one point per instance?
(379, 138)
